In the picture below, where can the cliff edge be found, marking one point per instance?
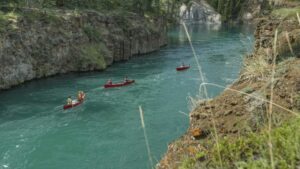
(36, 43)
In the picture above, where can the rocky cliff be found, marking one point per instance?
(199, 11)
(221, 129)
(40, 43)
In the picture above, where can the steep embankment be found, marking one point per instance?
(40, 43)
(223, 131)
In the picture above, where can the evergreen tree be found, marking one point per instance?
(230, 9)
(59, 3)
(220, 6)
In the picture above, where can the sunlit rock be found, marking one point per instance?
(199, 11)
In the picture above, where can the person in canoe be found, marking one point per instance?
(80, 96)
(109, 82)
(126, 79)
(182, 64)
(69, 100)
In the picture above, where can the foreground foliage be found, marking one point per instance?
(251, 151)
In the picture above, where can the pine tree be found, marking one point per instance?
(220, 6)
(226, 11)
(231, 9)
(59, 3)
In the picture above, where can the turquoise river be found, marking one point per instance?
(105, 131)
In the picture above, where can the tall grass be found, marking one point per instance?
(289, 43)
(271, 100)
(196, 59)
(298, 17)
(216, 137)
(256, 69)
(145, 136)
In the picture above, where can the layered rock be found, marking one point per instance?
(35, 44)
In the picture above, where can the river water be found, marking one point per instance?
(105, 132)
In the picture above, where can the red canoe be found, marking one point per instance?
(180, 68)
(74, 104)
(128, 82)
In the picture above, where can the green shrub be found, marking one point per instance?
(8, 20)
(188, 163)
(93, 34)
(92, 56)
(286, 12)
(252, 151)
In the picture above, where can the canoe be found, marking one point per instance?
(180, 68)
(128, 82)
(74, 104)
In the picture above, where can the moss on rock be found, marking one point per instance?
(92, 56)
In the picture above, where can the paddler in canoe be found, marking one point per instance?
(182, 64)
(80, 96)
(69, 100)
(126, 79)
(109, 82)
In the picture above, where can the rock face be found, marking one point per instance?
(35, 44)
(252, 9)
(199, 11)
(288, 42)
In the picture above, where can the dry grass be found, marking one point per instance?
(196, 59)
(216, 137)
(271, 105)
(298, 17)
(286, 12)
(193, 102)
(145, 136)
(254, 97)
(256, 69)
(289, 43)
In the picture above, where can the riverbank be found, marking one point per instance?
(37, 43)
(232, 130)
